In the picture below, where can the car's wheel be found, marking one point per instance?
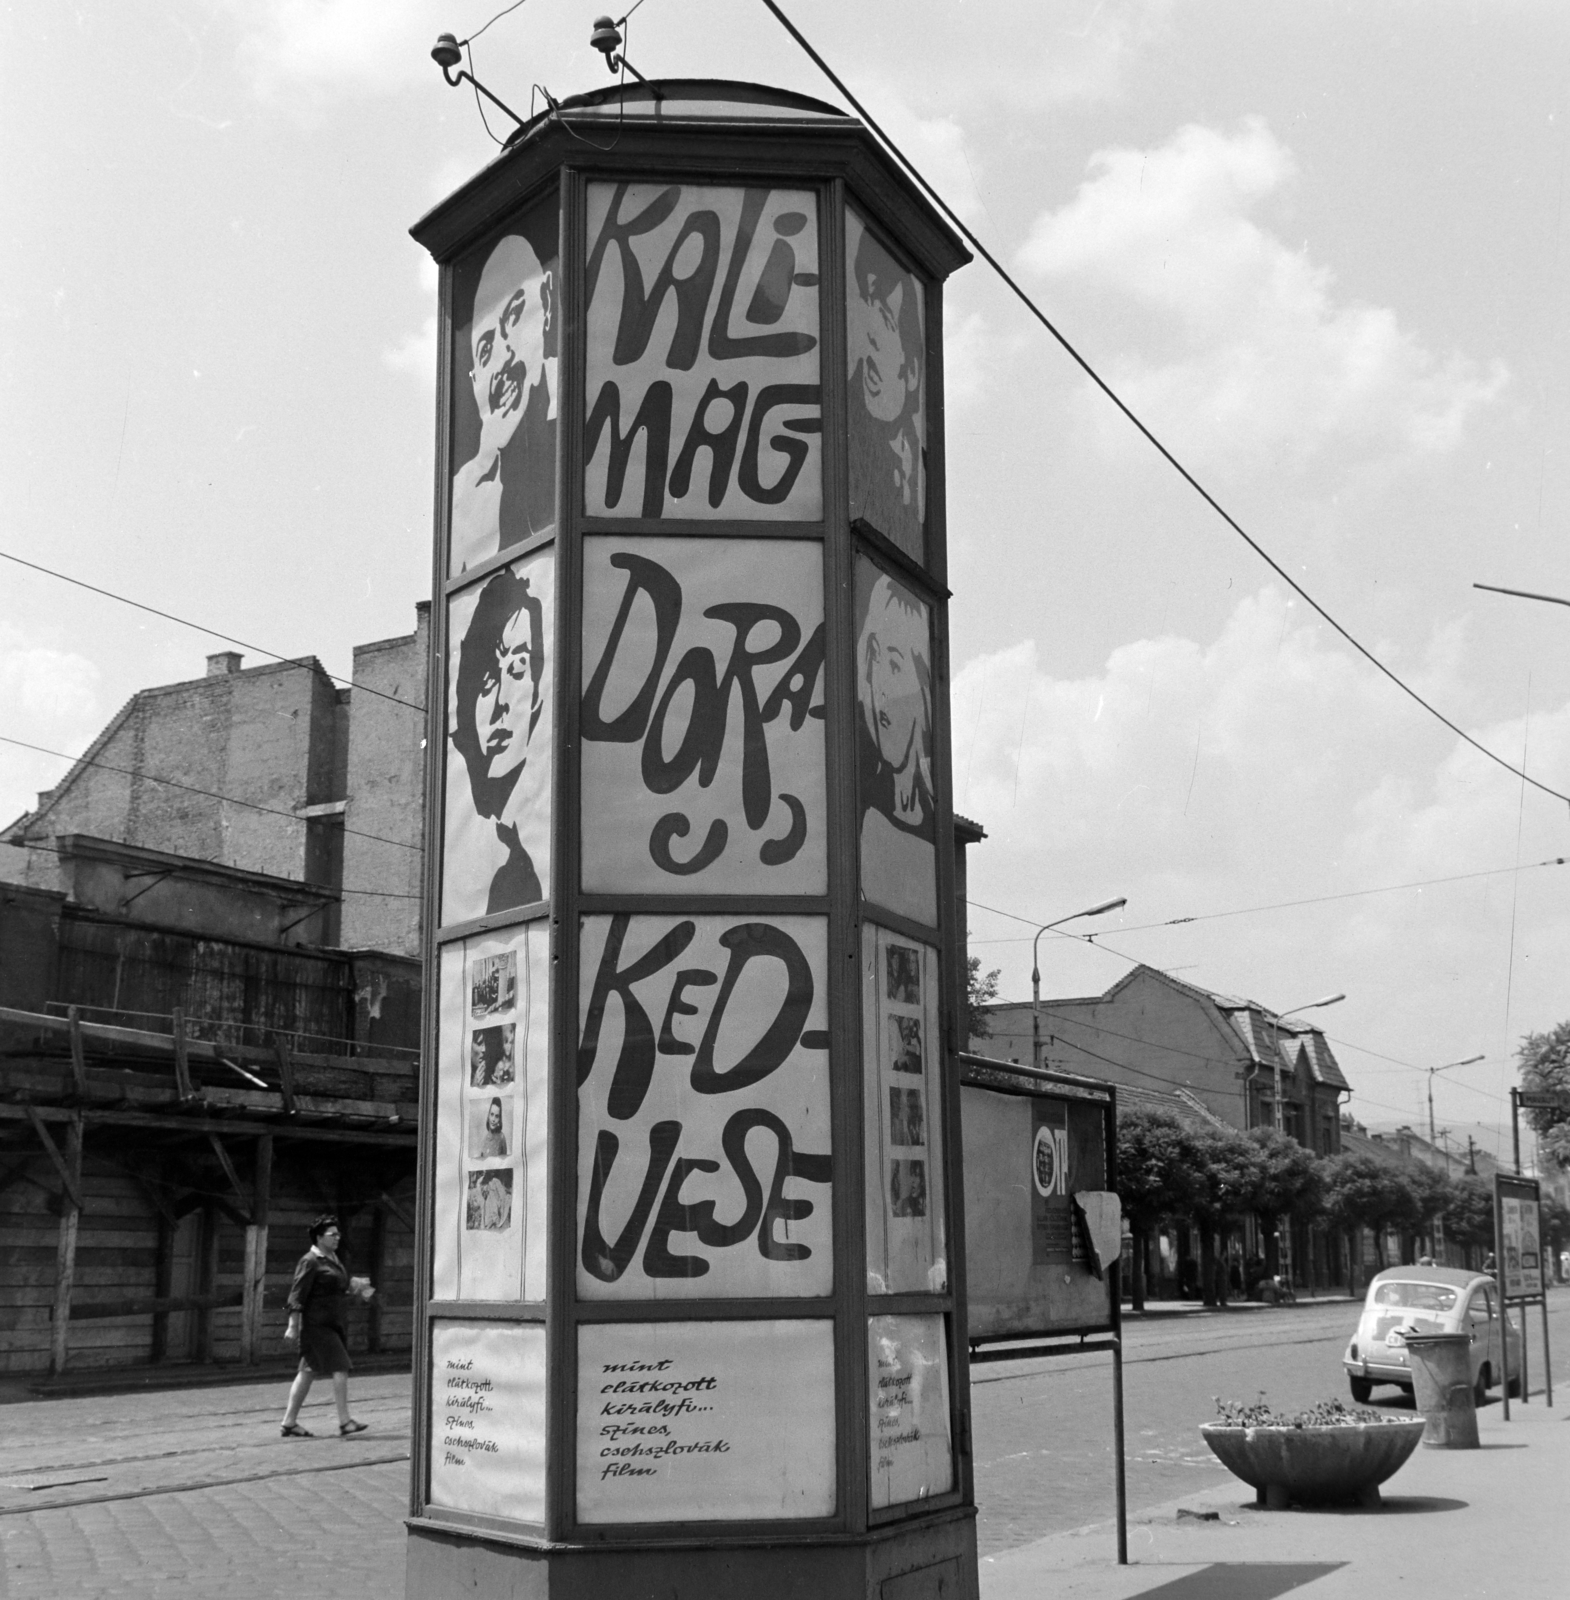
(1480, 1388)
(1515, 1388)
(1362, 1390)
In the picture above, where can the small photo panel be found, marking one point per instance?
(905, 1044)
(493, 984)
(491, 1056)
(908, 1188)
(904, 974)
(490, 1128)
(907, 1121)
(489, 1208)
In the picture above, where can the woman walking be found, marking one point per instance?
(318, 1318)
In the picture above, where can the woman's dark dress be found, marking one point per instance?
(320, 1293)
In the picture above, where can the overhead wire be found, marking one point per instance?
(191, 788)
(1311, 900)
(208, 861)
(198, 627)
(1144, 430)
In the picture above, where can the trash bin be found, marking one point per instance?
(1442, 1387)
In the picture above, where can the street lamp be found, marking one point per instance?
(1313, 1005)
(1035, 968)
(1470, 1061)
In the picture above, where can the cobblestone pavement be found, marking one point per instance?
(191, 1494)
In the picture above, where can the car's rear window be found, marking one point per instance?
(1416, 1296)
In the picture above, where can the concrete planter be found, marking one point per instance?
(1314, 1466)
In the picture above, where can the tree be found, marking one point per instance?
(1545, 1065)
(1158, 1167)
(1555, 1217)
(980, 989)
(1364, 1192)
(1469, 1213)
(1231, 1171)
(1289, 1186)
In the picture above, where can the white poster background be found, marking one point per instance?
(694, 1178)
(629, 830)
(1523, 1258)
(697, 345)
(488, 1263)
(908, 1379)
(901, 1064)
(488, 1419)
(705, 1421)
(515, 826)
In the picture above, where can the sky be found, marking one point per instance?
(1321, 249)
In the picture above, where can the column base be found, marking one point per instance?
(933, 1559)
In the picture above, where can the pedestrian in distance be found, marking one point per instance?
(318, 1307)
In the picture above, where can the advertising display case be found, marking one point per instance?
(693, 1305)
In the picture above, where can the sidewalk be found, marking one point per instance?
(1456, 1524)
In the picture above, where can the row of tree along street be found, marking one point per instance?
(1215, 1179)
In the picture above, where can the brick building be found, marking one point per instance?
(209, 1015)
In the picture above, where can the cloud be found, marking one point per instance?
(51, 699)
(1239, 349)
(415, 353)
(1269, 765)
(372, 46)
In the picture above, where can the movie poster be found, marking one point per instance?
(703, 395)
(488, 1419)
(886, 398)
(702, 716)
(703, 1108)
(705, 1421)
(492, 1076)
(894, 746)
(500, 667)
(910, 1455)
(1067, 1156)
(506, 324)
(901, 1075)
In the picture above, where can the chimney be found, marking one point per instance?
(222, 664)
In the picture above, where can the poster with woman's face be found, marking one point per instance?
(505, 325)
(500, 650)
(886, 402)
(894, 745)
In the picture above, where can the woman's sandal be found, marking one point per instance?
(345, 1428)
(293, 1430)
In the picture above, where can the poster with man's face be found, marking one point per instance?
(703, 394)
(894, 755)
(886, 398)
(506, 320)
(500, 647)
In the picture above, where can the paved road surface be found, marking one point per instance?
(190, 1495)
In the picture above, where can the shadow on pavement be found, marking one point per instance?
(1242, 1580)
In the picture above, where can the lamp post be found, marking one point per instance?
(1439, 1221)
(1035, 968)
(1284, 1240)
(1470, 1061)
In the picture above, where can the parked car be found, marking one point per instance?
(1403, 1300)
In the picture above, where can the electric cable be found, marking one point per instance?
(1287, 905)
(209, 861)
(197, 627)
(209, 794)
(1101, 383)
